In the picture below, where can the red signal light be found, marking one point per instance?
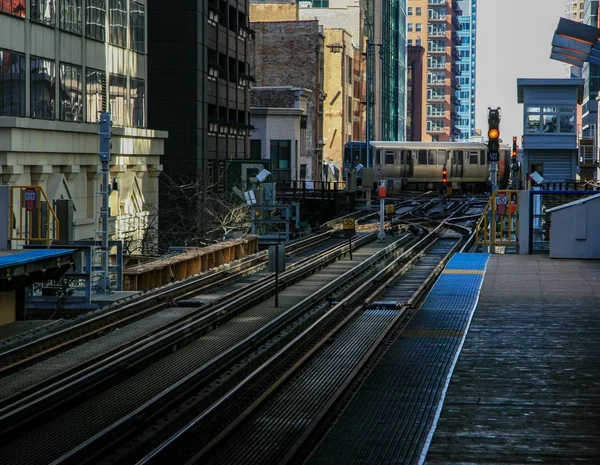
(444, 175)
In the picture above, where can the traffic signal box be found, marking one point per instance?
(493, 134)
(444, 175)
(514, 147)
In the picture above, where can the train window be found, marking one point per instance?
(431, 157)
(347, 155)
(389, 157)
(441, 157)
(357, 155)
(473, 157)
(406, 155)
(422, 157)
(482, 157)
(378, 155)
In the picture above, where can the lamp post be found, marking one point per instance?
(370, 79)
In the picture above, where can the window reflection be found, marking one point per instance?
(70, 16)
(137, 94)
(95, 19)
(71, 93)
(118, 22)
(95, 89)
(42, 11)
(13, 7)
(137, 26)
(118, 99)
(12, 83)
(42, 88)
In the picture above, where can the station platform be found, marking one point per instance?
(526, 387)
(498, 366)
(23, 267)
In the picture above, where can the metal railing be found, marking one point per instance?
(499, 222)
(32, 218)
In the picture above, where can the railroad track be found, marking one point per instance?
(290, 414)
(142, 376)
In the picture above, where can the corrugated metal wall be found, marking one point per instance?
(557, 166)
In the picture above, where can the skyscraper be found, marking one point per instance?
(465, 93)
(435, 23)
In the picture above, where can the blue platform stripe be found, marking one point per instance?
(28, 256)
(445, 316)
(468, 261)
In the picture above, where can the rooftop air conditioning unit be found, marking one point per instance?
(305, 4)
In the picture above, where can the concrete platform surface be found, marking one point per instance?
(526, 387)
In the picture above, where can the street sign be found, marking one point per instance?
(349, 227)
(501, 203)
(30, 199)
(382, 192)
(390, 209)
(492, 157)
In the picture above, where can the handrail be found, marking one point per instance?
(499, 221)
(30, 210)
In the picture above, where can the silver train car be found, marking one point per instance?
(420, 165)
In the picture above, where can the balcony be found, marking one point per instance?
(456, 8)
(434, 17)
(436, 33)
(455, 70)
(437, 3)
(454, 101)
(436, 83)
(437, 116)
(456, 39)
(436, 98)
(434, 128)
(456, 24)
(436, 66)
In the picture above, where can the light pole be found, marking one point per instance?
(370, 78)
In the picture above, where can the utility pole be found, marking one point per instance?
(104, 154)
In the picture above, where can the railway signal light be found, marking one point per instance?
(493, 130)
(514, 147)
(444, 175)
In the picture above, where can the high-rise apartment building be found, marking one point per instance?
(590, 72)
(435, 24)
(62, 63)
(465, 93)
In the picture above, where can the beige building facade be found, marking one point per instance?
(61, 65)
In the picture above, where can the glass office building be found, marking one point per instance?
(465, 93)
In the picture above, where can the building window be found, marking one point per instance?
(349, 109)
(42, 11)
(117, 23)
(550, 119)
(418, 11)
(95, 19)
(137, 95)
(410, 27)
(280, 159)
(137, 26)
(410, 11)
(418, 27)
(43, 84)
(117, 90)
(71, 93)
(418, 41)
(95, 90)
(255, 149)
(320, 4)
(12, 83)
(349, 70)
(13, 7)
(70, 16)
(409, 41)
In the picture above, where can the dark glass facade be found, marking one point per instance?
(95, 19)
(43, 12)
(42, 85)
(117, 94)
(137, 29)
(13, 7)
(95, 89)
(137, 96)
(12, 83)
(71, 93)
(117, 22)
(70, 16)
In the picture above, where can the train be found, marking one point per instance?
(421, 165)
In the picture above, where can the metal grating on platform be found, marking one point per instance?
(389, 419)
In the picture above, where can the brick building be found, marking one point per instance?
(291, 53)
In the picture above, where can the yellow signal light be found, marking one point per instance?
(493, 133)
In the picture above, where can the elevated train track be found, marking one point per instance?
(138, 389)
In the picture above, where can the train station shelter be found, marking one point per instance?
(21, 268)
